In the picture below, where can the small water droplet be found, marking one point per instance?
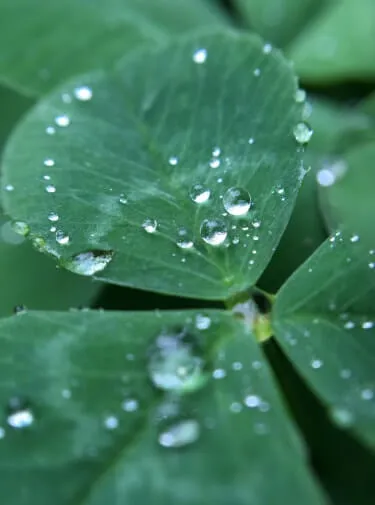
(367, 394)
(237, 365)
(215, 163)
(349, 325)
(216, 151)
(213, 231)
(111, 422)
(50, 188)
(325, 177)
(219, 373)
(173, 160)
(176, 363)
(237, 201)
(130, 405)
(49, 162)
(267, 48)
(302, 133)
(50, 130)
(316, 364)
(53, 217)
(88, 263)
(83, 93)
(199, 193)
(256, 72)
(251, 141)
(2, 433)
(20, 415)
(63, 120)
(342, 416)
(200, 56)
(9, 187)
(371, 265)
(300, 96)
(20, 310)
(235, 407)
(354, 238)
(150, 225)
(345, 373)
(202, 322)
(62, 238)
(252, 401)
(66, 394)
(21, 228)
(183, 240)
(367, 325)
(180, 434)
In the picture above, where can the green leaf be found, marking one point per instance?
(335, 128)
(349, 200)
(129, 161)
(330, 50)
(96, 435)
(279, 21)
(27, 277)
(324, 319)
(54, 40)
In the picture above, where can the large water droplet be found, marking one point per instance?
(150, 225)
(213, 231)
(175, 362)
(199, 193)
(180, 434)
(62, 238)
(21, 228)
(302, 133)
(89, 262)
(20, 415)
(237, 201)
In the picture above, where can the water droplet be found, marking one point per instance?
(2, 433)
(237, 201)
(49, 162)
(20, 310)
(88, 263)
(130, 405)
(173, 160)
(371, 265)
(367, 325)
(200, 56)
(267, 48)
(235, 407)
(202, 322)
(325, 177)
(349, 325)
(175, 362)
(257, 365)
(252, 401)
(20, 415)
(50, 188)
(83, 93)
(52, 216)
(367, 394)
(62, 238)
(354, 238)
(316, 364)
(66, 98)
(199, 193)
(256, 72)
(150, 225)
(62, 120)
(50, 130)
(237, 365)
(213, 231)
(21, 228)
(342, 417)
(215, 163)
(9, 187)
(180, 434)
(111, 422)
(345, 373)
(302, 133)
(219, 373)
(216, 151)
(183, 240)
(300, 95)
(66, 394)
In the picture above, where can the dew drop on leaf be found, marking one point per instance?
(2, 433)
(62, 238)
(342, 417)
(20, 309)
(183, 239)
(53, 217)
(111, 422)
(237, 201)
(175, 362)
(300, 96)
(179, 434)
(199, 193)
(19, 414)
(83, 93)
(202, 322)
(213, 231)
(62, 120)
(50, 188)
(89, 262)
(49, 162)
(21, 228)
(130, 405)
(150, 225)
(302, 133)
(200, 56)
